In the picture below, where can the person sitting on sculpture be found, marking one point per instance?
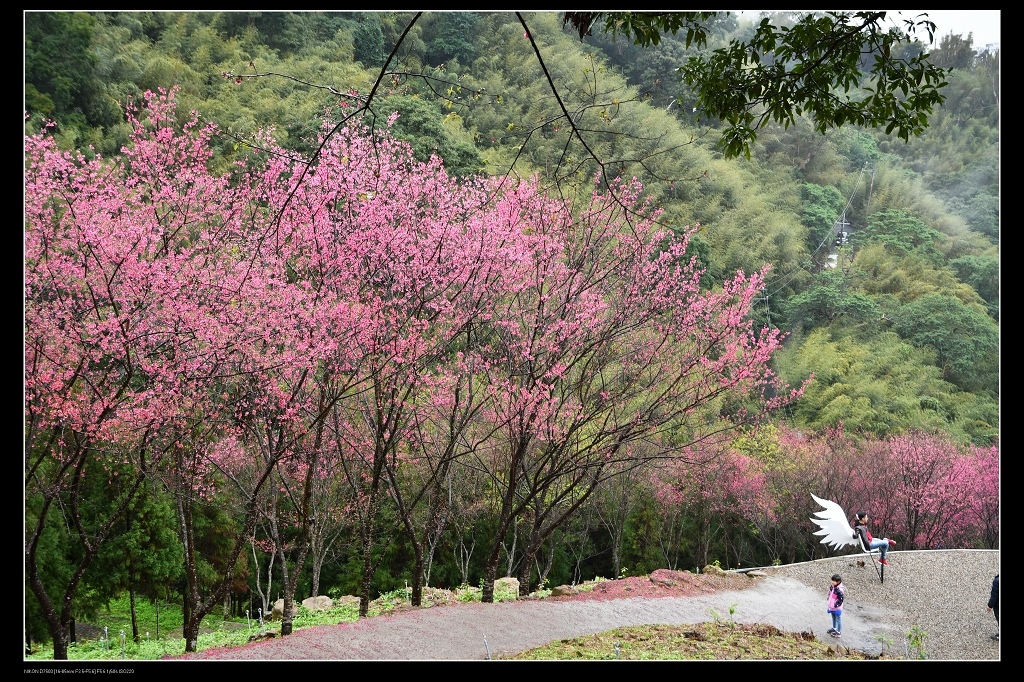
(860, 529)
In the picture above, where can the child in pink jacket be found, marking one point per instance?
(836, 595)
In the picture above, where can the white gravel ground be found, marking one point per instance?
(942, 592)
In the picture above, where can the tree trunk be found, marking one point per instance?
(526, 571)
(264, 606)
(417, 546)
(286, 578)
(60, 624)
(286, 615)
(463, 555)
(508, 516)
(542, 574)
(490, 575)
(190, 632)
(135, 618)
(369, 527)
(616, 557)
(291, 580)
(368, 531)
(417, 576)
(317, 563)
(506, 519)
(291, 584)
(189, 627)
(533, 546)
(60, 645)
(364, 590)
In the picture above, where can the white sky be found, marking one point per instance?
(982, 23)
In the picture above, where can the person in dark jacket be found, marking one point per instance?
(993, 603)
(860, 528)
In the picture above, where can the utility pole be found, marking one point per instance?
(841, 232)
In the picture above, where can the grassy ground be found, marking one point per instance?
(713, 641)
(109, 634)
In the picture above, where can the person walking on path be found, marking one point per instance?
(836, 596)
(860, 528)
(993, 604)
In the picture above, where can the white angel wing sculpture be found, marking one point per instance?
(835, 527)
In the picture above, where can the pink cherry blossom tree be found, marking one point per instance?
(922, 490)
(934, 485)
(984, 509)
(712, 491)
(117, 343)
(235, 335)
(427, 251)
(164, 313)
(264, 318)
(608, 341)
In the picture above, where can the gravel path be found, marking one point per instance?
(943, 593)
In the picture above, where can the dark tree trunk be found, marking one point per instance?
(291, 579)
(286, 576)
(135, 616)
(405, 515)
(189, 630)
(369, 528)
(291, 582)
(526, 571)
(417, 546)
(417, 576)
(490, 575)
(368, 531)
(533, 545)
(286, 614)
(60, 645)
(494, 558)
(506, 515)
(434, 526)
(59, 618)
(194, 606)
(315, 587)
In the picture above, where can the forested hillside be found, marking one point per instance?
(301, 323)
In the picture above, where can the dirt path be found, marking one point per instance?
(941, 592)
(474, 631)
